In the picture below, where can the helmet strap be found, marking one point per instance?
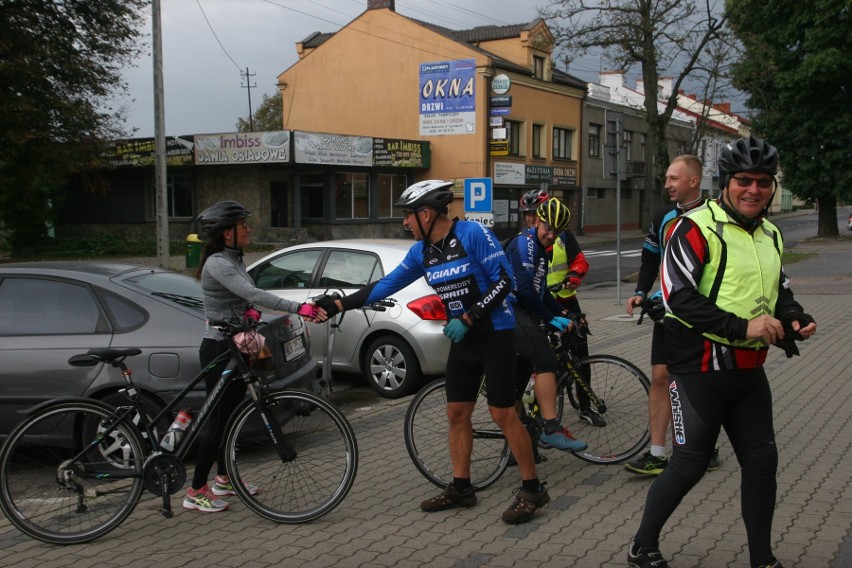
(234, 245)
(427, 234)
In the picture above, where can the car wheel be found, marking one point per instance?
(114, 450)
(391, 368)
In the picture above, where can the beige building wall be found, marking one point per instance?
(365, 81)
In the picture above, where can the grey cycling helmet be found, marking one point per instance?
(220, 216)
(532, 199)
(747, 155)
(429, 193)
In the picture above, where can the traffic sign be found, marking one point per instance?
(478, 195)
(484, 219)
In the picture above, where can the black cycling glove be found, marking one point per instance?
(788, 344)
(328, 304)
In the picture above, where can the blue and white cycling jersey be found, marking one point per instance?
(467, 269)
(529, 262)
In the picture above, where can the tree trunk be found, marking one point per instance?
(657, 132)
(827, 216)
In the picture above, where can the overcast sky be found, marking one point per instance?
(207, 44)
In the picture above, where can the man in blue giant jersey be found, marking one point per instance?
(465, 265)
(535, 305)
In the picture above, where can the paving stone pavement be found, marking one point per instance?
(595, 510)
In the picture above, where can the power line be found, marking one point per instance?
(240, 69)
(469, 12)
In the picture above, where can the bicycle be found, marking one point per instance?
(620, 396)
(297, 446)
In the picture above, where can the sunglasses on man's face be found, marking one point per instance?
(745, 182)
(548, 229)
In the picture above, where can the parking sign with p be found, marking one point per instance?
(478, 195)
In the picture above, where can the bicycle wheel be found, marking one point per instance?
(70, 474)
(427, 441)
(302, 489)
(622, 393)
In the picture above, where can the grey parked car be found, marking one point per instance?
(394, 350)
(50, 311)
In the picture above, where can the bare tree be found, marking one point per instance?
(660, 36)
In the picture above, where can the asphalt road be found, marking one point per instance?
(797, 227)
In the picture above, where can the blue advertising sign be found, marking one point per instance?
(448, 97)
(501, 101)
(478, 195)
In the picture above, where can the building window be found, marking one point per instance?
(595, 140)
(513, 136)
(595, 193)
(538, 141)
(311, 188)
(562, 140)
(179, 195)
(628, 145)
(351, 196)
(390, 187)
(538, 67)
(643, 146)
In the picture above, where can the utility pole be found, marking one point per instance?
(161, 204)
(247, 77)
(614, 164)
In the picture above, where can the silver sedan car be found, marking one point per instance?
(394, 349)
(51, 311)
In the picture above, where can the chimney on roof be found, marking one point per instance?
(379, 4)
(664, 87)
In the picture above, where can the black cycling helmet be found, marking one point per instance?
(747, 155)
(429, 193)
(220, 216)
(532, 199)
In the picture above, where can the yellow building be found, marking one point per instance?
(488, 101)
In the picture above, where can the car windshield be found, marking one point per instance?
(177, 288)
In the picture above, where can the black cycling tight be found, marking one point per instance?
(211, 438)
(702, 403)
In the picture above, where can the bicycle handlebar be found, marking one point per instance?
(652, 306)
(235, 326)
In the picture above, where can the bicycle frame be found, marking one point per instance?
(569, 361)
(236, 369)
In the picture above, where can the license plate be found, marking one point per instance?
(293, 348)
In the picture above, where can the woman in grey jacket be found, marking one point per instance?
(229, 293)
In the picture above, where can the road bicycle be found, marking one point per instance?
(73, 470)
(617, 391)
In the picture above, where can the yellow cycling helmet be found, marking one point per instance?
(554, 213)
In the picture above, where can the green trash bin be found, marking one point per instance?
(193, 251)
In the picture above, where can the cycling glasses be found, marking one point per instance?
(745, 182)
(548, 229)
